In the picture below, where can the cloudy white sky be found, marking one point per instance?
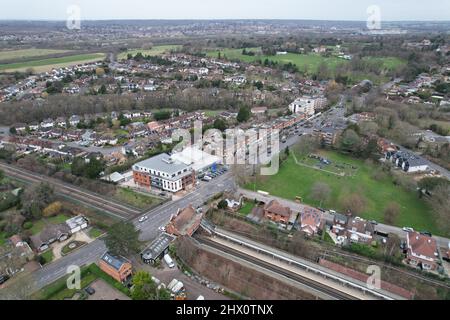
(226, 9)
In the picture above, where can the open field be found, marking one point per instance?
(295, 180)
(155, 51)
(28, 53)
(308, 62)
(138, 200)
(48, 64)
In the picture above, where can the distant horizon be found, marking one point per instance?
(218, 19)
(319, 10)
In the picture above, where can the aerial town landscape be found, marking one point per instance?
(206, 159)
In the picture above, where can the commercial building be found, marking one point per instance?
(164, 173)
(197, 159)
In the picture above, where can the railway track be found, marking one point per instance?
(317, 286)
(93, 200)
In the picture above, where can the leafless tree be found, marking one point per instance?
(320, 192)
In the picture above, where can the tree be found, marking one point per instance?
(391, 213)
(350, 140)
(243, 114)
(306, 145)
(13, 130)
(440, 202)
(35, 199)
(144, 288)
(354, 203)
(222, 205)
(123, 239)
(102, 89)
(220, 124)
(320, 192)
(52, 209)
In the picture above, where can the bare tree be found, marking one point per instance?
(354, 203)
(391, 212)
(320, 192)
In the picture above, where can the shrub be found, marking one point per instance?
(28, 225)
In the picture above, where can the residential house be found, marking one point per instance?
(50, 234)
(359, 230)
(421, 251)
(117, 267)
(311, 221)
(185, 222)
(275, 212)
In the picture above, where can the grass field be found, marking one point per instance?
(309, 62)
(247, 208)
(136, 199)
(294, 180)
(155, 51)
(28, 53)
(48, 64)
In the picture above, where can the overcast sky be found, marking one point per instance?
(226, 9)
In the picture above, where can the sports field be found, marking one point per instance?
(155, 51)
(48, 64)
(28, 53)
(294, 180)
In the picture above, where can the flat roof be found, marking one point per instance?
(163, 163)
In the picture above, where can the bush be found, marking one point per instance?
(28, 225)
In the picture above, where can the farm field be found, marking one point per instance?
(155, 51)
(295, 180)
(28, 53)
(48, 64)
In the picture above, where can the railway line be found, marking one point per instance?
(96, 201)
(314, 285)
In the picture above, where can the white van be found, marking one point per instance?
(169, 261)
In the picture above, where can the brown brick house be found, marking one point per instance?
(421, 251)
(117, 267)
(185, 222)
(276, 212)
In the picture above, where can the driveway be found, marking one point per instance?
(103, 291)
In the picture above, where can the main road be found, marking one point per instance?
(149, 230)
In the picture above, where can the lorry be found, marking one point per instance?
(169, 261)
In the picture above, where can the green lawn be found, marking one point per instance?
(247, 208)
(2, 238)
(48, 64)
(95, 233)
(293, 180)
(138, 200)
(155, 51)
(47, 256)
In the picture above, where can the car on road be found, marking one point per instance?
(162, 229)
(426, 233)
(90, 291)
(3, 278)
(207, 178)
(408, 229)
(373, 222)
(143, 218)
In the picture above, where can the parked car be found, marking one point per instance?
(162, 229)
(90, 291)
(426, 233)
(207, 178)
(408, 229)
(169, 261)
(143, 218)
(3, 278)
(373, 222)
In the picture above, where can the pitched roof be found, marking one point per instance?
(422, 245)
(114, 261)
(275, 207)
